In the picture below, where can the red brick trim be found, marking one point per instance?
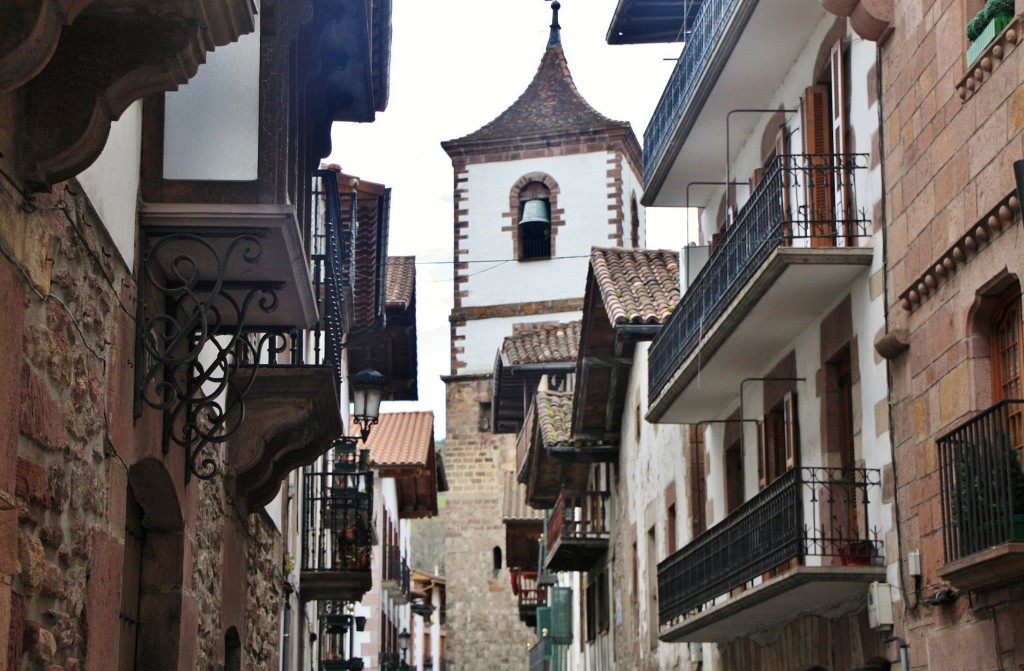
(461, 316)
(617, 140)
(615, 201)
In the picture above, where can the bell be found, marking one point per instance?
(535, 212)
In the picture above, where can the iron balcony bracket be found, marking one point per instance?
(190, 335)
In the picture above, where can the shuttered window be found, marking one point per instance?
(1005, 356)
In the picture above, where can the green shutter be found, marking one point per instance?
(543, 621)
(561, 615)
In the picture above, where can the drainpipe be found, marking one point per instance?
(728, 117)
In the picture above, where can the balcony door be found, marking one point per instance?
(826, 204)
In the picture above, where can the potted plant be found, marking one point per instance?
(979, 509)
(856, 553)
(986, 24)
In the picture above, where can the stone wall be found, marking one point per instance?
(71, 451)
(483, 614)
(951, 133)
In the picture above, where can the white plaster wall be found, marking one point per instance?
(648, 467)
(211, 125)
(112, 181)
(484, 336)
(582, 195)
(862, 118)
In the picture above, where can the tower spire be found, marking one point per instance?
(555, 40)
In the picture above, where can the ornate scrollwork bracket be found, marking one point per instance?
(194, 361)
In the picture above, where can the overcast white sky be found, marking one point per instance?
(456, 65)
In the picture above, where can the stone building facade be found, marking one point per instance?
(552, 150)
(118, 550)
(952, 132)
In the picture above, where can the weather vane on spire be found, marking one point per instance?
(556, 38)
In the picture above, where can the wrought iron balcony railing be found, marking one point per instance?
(331, 267)
(982, 484)
(396, 574)
(706, 32)
(806, 200)
(807, 512)
(578, 516)
(337, 520)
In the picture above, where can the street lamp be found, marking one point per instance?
(403, 645)
(367, 390)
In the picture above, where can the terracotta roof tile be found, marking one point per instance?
(554, 415)
(547, 344)
(401, 279)
(638, 286)
(513, 502)
(401, 438)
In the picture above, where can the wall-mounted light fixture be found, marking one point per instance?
(367, 392)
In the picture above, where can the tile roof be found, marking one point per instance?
(554, 414)
(549, 105)
(547, 344)
(513, 502)
(401, 279)
(401, 438)
(638, 286)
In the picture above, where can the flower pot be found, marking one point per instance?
(994, 27)
(856, 553)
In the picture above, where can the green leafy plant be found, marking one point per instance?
(994, 8)
(977, 24)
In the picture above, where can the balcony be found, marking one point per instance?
(337, 529)
(229, 327)
(802, 545)
(530, 593)
(577, 530)
(732, 59)
(396, 575)
(792, 250)
(982, 494)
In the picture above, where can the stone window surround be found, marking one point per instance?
(512, 215)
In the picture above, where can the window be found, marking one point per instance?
(534, 222)
(670, 530)
(1005, 358)
(777, 441)
(652, 588)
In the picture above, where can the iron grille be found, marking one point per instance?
(802, 200)
(982, 484)
(337, 517)
(800, 514)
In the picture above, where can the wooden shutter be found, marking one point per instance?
(762, 454)
(792, 433)
(698, 494)
(817, 143)
(840, 186)
(782, 153)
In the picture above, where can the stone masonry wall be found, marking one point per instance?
(951, 133)
(69, 447)
(483, 622)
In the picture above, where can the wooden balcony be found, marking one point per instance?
(577, 530)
